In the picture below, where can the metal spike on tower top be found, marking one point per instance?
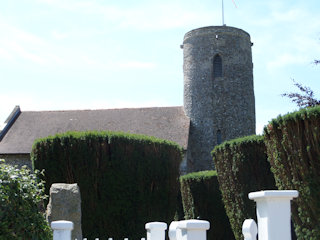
(222, 13)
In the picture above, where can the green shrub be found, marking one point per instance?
(125, 180)
(242, 168)
(293, 147)
(201, 198)
(21, 199)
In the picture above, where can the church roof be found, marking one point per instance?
(168, 123)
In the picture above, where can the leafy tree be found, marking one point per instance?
(306, 97)
(21, 201)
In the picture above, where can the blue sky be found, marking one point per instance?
(93, 54)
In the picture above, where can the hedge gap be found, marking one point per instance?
(201, 198)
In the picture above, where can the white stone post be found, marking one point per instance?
(192, 229)
(274, 213)
(62, 230)
(156, 230)
(249, 229)
(173, 228)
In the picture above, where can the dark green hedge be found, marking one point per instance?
(293, 144)
(242, 168)
(201, 198)
(125, 180)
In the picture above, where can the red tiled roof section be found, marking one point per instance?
(168, 123)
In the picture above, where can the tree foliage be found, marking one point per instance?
(21, 202)
(304, 98)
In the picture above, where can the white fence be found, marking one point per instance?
(178, 230)
(273, 215)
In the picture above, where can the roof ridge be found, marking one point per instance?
(100, 109)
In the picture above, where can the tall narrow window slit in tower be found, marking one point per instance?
(219, 139)
(217, 66)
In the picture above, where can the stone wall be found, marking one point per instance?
(223, 105)
(17, 159)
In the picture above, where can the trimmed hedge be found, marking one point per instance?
(125, 180)
(21, 204)
(242, 168)
(201, 198)
(293, 144)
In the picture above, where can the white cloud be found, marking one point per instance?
(168, 16)
(5, 54)
(291, 15)
(21, 35)
(283, 60)
(19, 44)
(277, 12)
(153, 15)
(22, 52)
(133, 65)
(58, 35)
(116, 65)
(290, 36)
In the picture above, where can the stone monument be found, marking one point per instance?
(65, 204)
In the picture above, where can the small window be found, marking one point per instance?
(217, 66)
(219, 139)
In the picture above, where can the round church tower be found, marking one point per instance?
(218, 90)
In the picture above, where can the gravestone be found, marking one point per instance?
(65, 204)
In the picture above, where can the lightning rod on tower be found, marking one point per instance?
(222, 13)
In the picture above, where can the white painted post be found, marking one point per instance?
(62, 230)
(156, 230)
(192, 229)
(274, 213)
(173, 228)
(249, 229)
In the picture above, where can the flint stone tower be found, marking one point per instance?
(218, 90)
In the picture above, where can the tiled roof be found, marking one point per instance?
(168, 123)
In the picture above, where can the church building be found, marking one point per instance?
(218, 105)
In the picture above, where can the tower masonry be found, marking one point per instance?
(218, 90)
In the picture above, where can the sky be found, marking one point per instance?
(99, 54)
